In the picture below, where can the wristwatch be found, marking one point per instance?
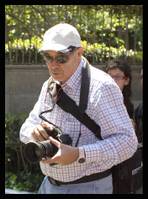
(82, 156)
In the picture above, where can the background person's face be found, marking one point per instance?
(62, 72)
(119, 77)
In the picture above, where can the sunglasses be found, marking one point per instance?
(62, 58)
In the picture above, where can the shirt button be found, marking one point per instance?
(81, 160)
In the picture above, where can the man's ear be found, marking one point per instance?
(80, 51)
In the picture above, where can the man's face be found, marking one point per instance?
(63, 71)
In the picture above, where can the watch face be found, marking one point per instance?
(81, 160)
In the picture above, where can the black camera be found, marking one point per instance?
(35, 151)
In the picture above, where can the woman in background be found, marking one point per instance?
(120, 71)
(138, 185)
(139, 115)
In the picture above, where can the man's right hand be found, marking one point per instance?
(39, 133)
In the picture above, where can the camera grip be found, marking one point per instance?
(55, 133)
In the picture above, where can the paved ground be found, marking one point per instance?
(11, 191)
(139, 191)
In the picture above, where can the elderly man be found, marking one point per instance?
(84, 166)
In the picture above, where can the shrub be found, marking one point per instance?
(100, 53)
(96, 53)
(19, 174)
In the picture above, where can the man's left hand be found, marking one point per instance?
(65, 155)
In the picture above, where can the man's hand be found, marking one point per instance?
(40, 133)
(65, 155)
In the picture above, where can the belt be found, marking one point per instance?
(84, 179)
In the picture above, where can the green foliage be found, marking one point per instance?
(12, 142)
(12, 126)
(114, 28)
(26, 21)
(19, 174)
(96, 53)
(99, 53)
(24, 181)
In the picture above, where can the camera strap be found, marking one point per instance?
(70, 106)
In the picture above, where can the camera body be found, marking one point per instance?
(35, 151)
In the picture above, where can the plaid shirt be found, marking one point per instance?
(106, 108)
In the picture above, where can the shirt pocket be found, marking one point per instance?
(71, 126)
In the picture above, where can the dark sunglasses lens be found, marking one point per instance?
(59, 59)
(47, 57)
(62, 59)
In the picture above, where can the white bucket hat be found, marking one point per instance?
(60, 37)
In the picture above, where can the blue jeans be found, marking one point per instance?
(101, 186)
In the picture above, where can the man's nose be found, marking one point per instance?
(53, 64)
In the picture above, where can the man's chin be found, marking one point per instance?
(58, 78)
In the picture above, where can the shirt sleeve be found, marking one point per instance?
(119, 139)
(33, 120)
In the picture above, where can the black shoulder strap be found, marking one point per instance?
(70, 106)
(84, 92)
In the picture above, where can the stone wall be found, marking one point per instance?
(23, 84)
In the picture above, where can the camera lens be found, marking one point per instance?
(35, 151)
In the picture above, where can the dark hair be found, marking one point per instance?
(127, 92)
